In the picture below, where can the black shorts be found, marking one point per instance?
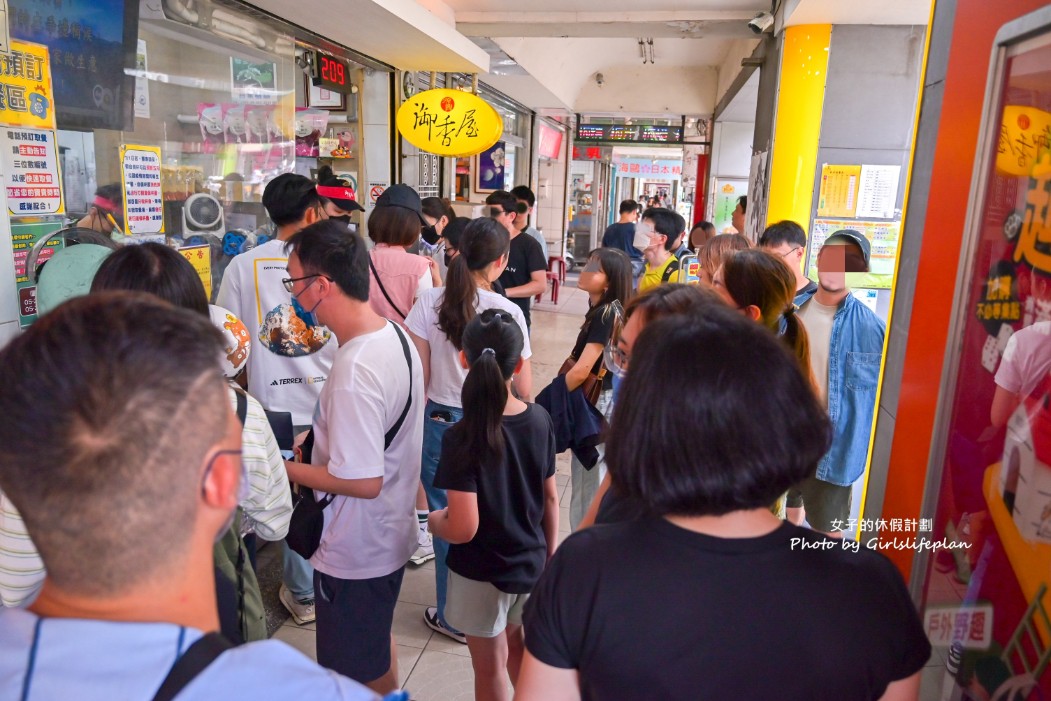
(827, 505)
(354, 620)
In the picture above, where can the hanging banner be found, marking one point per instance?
(26, 99)
(140, 173)
(31, 175)
(449, 123)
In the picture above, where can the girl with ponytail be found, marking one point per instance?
(437, 324)
(761, 285)
(498, 465)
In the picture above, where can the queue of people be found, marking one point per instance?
(408, 380)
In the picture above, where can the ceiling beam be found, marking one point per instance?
(680, 24)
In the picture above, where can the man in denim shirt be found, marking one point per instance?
(846, 344)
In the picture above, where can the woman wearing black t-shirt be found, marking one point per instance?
(497, 466)
(607, 280)
(713, 597)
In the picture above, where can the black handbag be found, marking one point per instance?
(308, 512)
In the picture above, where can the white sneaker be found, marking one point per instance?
(302, 611)
(424, 548)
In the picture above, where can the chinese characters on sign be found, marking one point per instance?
(663, 169)
(31, 176)
(140, 169)
(25, 87)
(968, 626)
(200, 257)
(449, 123)
(1025, 133)
(1034, 239)
(838, 194)
(23, 237)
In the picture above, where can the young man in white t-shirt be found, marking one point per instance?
(126, 465)
(368, 437)
(291, 353)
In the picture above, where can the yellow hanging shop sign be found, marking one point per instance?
(26, 98)
(449, 122)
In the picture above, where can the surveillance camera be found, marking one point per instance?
(600, 79)
(762, 22)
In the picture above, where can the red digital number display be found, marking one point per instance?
(330, 72)
(333, 71)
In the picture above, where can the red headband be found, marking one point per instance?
(108, 205)
(337, 192)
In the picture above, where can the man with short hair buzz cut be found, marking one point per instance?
(368, 445)
(656, 235)
(526, 197)
(125, 463)
(292, 354)
(526, 273)
(788, 240)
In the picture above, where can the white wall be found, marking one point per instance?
(376, 131)
(732, 149)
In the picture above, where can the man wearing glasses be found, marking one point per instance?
(292, 354)
(526, 273)
(788, 240)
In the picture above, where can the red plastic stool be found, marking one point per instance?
(553, 279)
(561, 262)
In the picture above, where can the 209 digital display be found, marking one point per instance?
(331, 73)
(631, 134)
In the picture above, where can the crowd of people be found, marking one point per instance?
(385, 415)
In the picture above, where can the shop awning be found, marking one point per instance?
(400, 33)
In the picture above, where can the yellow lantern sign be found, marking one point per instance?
(449, 122)
(1025, 134)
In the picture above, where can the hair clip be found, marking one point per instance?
(487, 350)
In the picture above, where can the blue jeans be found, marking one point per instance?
(433, 430)
(298, 574)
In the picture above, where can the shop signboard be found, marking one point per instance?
(31, 175)
(449, 122)
(91, 44)
(26, 98)
(140, 174)
(653, 169)
(24, 236)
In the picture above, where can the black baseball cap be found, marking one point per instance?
(403, 196)
(855, 237)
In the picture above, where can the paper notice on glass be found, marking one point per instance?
(142, 83)
(878, 193)
(838, 196)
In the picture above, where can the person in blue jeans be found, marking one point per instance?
(436, 325)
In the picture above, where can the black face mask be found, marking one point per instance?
(344, 218)
(448, 259)
(430, 235)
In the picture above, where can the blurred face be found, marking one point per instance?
(522, 219)
(592, 279)
(836, 260)
(720, 288)
(647, 239)
(507, 219)
(737, 218)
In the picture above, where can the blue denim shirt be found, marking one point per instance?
(855, 351)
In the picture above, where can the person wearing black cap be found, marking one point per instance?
(846, 346)
(337, 197)
(526, 273)
(293, 353)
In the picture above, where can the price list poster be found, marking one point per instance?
(140, 168)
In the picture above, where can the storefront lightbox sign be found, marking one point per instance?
(31, 175)
(140, 174)
(26, 98)
(449, 123)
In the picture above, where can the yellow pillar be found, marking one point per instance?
(797, 128)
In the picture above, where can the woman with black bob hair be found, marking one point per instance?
(498, 465)
(436, 325)
(713, 597)
(153, 268)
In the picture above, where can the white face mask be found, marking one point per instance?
(643, 235)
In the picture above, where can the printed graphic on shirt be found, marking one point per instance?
(282, 331)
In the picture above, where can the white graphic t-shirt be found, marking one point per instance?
(289, 361)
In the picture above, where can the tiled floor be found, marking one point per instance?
(431, 666)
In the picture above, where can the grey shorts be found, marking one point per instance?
(827, 505)
(479, 609)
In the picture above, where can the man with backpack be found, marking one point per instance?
(365, 460)
(125, 463)
(656, 235)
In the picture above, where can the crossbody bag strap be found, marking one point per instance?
(242, 405)
(379, 282)
(389, 437)
(670, 270)
(190, 664)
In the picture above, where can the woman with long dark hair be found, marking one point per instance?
(685, 602)
(762, 287)
(498, 465)
(607, 278)
(437, 215)
(436, 325)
